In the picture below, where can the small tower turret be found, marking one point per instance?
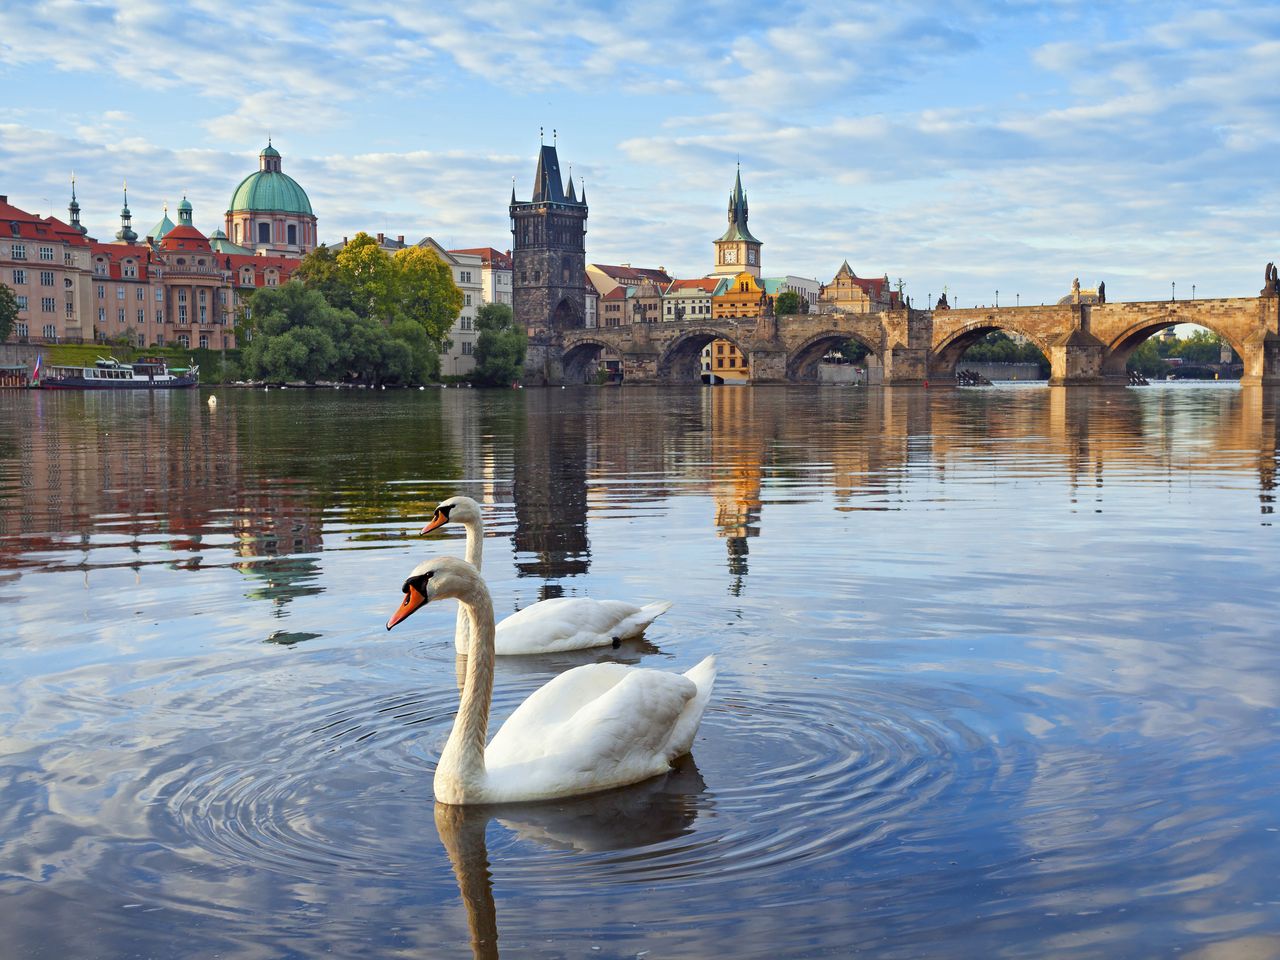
(73, 208)
(126, 232)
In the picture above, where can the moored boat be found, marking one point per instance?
(149, 373)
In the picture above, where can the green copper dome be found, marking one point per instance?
(270, 190)
(164, 226)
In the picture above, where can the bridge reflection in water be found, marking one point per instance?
(105, 481)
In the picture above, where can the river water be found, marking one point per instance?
(998, 672)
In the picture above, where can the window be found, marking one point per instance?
(264, 233)
(733, 361)
(237, 233)
(71, 310)
(159, 339)
(204, 342)
(120, 315)
(159, 295)
(22, 330)
(159, 315)
(19, 251)
(142, 293)
(142, 317)
(102, 314)
(466, 348)
(47, 304)
(50, 332)
(184, 341)
(102, 291)
(272, 279)
(204, 316)
(182, 296)
(130, 269)
(202, 297)
(46, 253)
(182, 313)
(46, 278)
(68, 259)
(467, 300)
(100, 268)
(293, 235)
(19, 277)
(22, 302)
(464, 276)
(119, 293)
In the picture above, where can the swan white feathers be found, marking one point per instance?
(591, 728)
(548, 626)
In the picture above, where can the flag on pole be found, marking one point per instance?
(35, 371)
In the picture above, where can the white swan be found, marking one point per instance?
(548, 626)
(591, 728)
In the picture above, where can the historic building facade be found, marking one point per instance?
(549, 257)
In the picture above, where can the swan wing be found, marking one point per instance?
(591, 728)
(572, 623)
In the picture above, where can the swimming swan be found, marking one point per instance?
(591, 728)
(548, 626)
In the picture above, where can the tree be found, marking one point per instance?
(1146, 359)
(853, 351)
(319, 270)
(296, 335)
(500, 346)
(788, 303)
(428, 294)
(370, 277)
(1201, 347)
(8, 312)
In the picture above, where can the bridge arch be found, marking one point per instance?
(682, 359)
(948, 351)
(802, 362)
(1121, 347)
(581, 359)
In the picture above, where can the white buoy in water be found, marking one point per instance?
(213, 402)
(422, 388)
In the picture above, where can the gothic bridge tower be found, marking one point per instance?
(549, 257)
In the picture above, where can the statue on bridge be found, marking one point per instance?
(942, 302)
(1102, 291)
(1075, 290)
(1271, 282)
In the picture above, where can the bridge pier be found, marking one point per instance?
(543, 362)
(768, 364)
(1076, 358)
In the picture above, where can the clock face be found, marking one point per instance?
(730, 255)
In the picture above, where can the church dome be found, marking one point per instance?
(269, 190)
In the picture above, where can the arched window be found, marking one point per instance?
(264, 232)
(293, 235)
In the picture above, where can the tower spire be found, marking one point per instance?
(126, 232)
(73, 208)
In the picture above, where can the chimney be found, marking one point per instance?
(344, 241)
(400, 239)
(4, 198)
(379, 238)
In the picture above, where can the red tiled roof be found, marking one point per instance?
(236, 262)
(116, 253)
(489, 256)
(183, 237)
(617, 293)
(707, 284)
(632, 273)
(18, 224)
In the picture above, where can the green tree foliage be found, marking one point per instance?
(1147, 360)
(853, 351)
(8, 312)
(298, 335)
(500, 346)
(427, 293)
(319, 271)
(787, 303)
(1201, 347)
(999, 347)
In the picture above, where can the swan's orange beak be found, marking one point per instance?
(438, 520)
(413, 599)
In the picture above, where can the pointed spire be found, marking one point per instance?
(582, 196)
(126, 231)
(547, 185)
(569, 195)
(73, 208)
(513, 192)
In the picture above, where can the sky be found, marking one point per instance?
(985, 146)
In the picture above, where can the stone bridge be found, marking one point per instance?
(1084, 343)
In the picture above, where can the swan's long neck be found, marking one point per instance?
(462, 761)
(475, 552)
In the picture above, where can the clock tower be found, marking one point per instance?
(737, 251)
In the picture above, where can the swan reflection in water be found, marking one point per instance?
(655, 811)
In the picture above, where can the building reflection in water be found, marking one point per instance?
(101, 480)
(549, 488)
